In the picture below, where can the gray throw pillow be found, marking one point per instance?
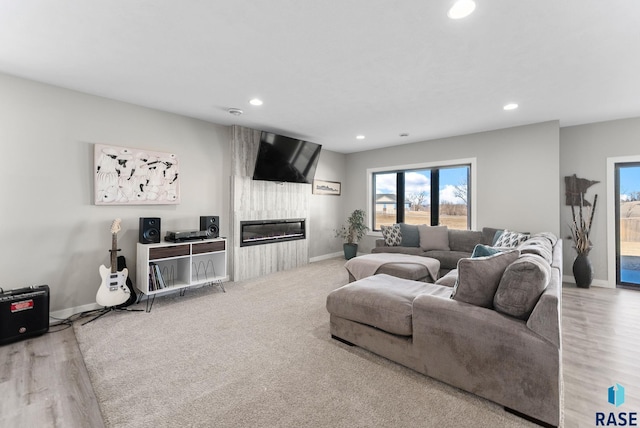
(478, 278)
(410, 235)
(539, 246)
(521, 285)
(434, 237)
(392, 235)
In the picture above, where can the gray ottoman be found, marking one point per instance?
(415, 268)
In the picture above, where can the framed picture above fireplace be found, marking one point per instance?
(324, 187)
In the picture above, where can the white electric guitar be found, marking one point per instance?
(113, 291)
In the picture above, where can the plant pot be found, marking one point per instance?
(582, 271)
(350, 250)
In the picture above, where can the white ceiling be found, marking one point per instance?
(328, 71)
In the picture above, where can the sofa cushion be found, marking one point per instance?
(478, 278)
(481, 250)
(434, 238)
(410, 235)
(381, 301)
(521, 285)
(392, 235)
(449, 280)
(464, 240)
(510, 239)
(448, 259)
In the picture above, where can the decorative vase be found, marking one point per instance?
(350, 250)
(582, 270)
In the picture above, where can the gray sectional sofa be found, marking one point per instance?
(495, 334)
(459, 244)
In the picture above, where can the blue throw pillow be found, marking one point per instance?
(410, 235)
(497, 236)
(483, 251)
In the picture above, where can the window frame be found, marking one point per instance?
(471, 162)
(612, 251)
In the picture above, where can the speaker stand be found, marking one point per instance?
(108, 310)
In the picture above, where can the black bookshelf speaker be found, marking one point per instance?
(149, 232)
(210, 223)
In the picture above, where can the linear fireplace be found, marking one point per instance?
(269, 231)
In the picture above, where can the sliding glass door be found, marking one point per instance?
(627, 185)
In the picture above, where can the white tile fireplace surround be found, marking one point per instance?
(260, 201)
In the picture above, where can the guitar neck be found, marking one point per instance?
(114, 252)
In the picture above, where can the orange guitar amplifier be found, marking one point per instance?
(24, 313)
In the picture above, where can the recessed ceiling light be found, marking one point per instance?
(360, 137)
(255, 102)
(404, 134)
(461, 9)
(510, 106)
(235, 111)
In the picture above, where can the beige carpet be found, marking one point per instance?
(260, 355)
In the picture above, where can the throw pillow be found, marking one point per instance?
(478, 278)
(434, 237)
(539, 246)
(392, 235)
(521, 285)
(410, 235)
(510, 239)
(481, 250)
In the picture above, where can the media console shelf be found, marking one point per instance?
(169, 266)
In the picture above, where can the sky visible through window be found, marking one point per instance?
(629, 181)
(417, 181)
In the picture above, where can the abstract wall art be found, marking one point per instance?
(128, 176)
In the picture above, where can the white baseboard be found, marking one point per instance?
(326, 257)
(63, 314)
(66, 313)
(595, 283)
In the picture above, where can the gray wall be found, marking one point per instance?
(584, 151)
(326, 210)
(53, 233)
(517, 175)
(57, 236)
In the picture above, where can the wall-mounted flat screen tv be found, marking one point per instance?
(286, 159)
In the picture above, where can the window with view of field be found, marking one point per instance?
(432, 196)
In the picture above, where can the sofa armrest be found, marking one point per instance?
(545, 319)
(380, 242)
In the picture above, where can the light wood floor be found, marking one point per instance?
(44, 383)
(601, 347)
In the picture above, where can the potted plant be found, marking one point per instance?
(352, 232)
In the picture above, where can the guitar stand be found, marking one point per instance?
(110, 309)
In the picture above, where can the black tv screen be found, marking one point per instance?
(286, 159)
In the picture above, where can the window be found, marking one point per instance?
(406, 196)
(627, 208)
